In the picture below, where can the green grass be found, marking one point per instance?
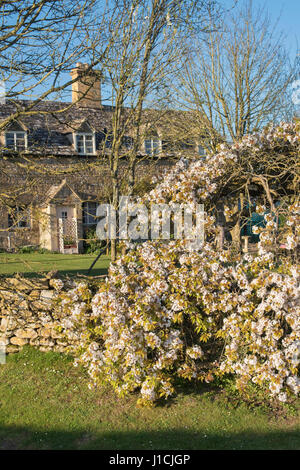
(31, 264)
(45, 404)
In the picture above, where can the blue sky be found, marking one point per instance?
(287, 12)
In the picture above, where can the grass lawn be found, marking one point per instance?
(31, 264)
(45, 404)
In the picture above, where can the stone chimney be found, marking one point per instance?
(86, 90)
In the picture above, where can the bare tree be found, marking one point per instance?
(136, 44)
(148, 43)
(236, 81)
(39, 42)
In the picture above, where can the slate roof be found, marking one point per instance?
(50, 127)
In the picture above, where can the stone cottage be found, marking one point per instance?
(53, 165)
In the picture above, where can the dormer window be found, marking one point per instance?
(152, 146)
(16, 140)
(85, 144)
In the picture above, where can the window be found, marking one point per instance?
(89, 213)
(19, 217)
(128, 142)
(152, 146)
(16, 140)
(64, 215)
(85, 144)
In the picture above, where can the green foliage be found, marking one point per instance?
(69, 241)
(91, 243)
(34, 249)
(28, 249)
(253, 397)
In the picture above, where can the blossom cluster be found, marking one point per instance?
(166, 311)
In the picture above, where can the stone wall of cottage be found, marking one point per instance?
(88, 177)
(29, 314)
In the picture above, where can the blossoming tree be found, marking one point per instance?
(167, 311)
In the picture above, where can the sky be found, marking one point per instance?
(287, 12)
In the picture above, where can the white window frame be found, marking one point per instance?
(85, 135)
(90, 219)
(154, 150)
(15, 148)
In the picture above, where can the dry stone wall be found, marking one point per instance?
(30, 313)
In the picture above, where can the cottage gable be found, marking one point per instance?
(62, 194)
(17, 126)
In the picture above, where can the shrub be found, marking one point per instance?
(28, 249)
(91, 243)
(166, 311)
(34, 249)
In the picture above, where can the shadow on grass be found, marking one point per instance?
(188, 389)
(76, 272)
(12, 438)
